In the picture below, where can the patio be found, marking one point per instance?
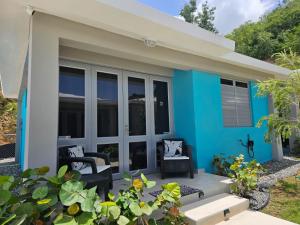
(210, 184)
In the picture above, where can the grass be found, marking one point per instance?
(285, 200)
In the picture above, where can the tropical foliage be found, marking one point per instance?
(8, 114)
(276, 31)
(222, 164)
(34, 199)
(245, 175)
(204, 18)
(285, 94)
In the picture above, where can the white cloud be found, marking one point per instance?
(230, 14)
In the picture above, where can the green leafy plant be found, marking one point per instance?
(285, 94)
(222, 164)
(244, 175)
(63, 199)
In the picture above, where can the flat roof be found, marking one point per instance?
(125, 17)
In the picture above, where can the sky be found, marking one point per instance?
(229, 14)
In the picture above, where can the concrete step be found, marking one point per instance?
(249, 217)
(215, 209)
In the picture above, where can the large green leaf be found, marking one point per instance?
(135, 209)
(148, 183)
(123, 220)
(5, 195)
(87, 205)
(147, 209)
(70, 193)
(114, 212)
(173, 189)
(65, 220)
(4, 179)
(25, 209)
(86, 218)
(62, 171)
(40, 192)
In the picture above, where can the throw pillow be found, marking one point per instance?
(77, 152)
(173, 148)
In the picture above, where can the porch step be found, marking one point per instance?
(249, 217)
(213, 210)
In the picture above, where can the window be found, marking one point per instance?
(161, 107)
(71, 102)
(235, 103)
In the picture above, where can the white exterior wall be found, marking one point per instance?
(42, 115)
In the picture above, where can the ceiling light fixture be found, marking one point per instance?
(150, 43)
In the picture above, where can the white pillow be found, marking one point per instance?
(173, 148)
(77, 152)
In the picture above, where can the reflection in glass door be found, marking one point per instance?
(136, 121)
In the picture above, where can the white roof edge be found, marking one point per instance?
(154, 15)
(254, 64)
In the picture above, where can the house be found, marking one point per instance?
(118, 76)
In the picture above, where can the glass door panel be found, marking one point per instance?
(136, 121)
(108, 116)
(107, 105)
(113, 151)
(136, 106)
(74, 106)
(138, 155)
(161, 107)
(71, 102)
(162, 114)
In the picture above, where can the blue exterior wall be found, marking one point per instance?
(198, 118)
(23, 128)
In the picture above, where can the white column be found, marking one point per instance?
(294, 115)
(42, 117)
(277, 152)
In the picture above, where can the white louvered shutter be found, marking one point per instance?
(235, 104)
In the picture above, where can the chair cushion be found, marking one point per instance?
(176, 157)
(173, 148)
(88, 169)
(75, 152)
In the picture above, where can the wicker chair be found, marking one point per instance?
(93, 175)
(181, 164)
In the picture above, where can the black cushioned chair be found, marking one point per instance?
(93, 175)
(176, 164)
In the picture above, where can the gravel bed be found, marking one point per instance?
(276, 171)
(10, 170)
(259, 199)
(279, 170)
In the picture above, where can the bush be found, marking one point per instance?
(245, 176)
(36, 199)
(222, 164)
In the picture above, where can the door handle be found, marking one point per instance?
(126, 128)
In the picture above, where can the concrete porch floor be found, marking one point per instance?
(210, 184)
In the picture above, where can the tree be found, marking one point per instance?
(274, 32)
(203, 18)
(285, 94)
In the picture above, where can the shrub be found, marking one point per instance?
(222, 164)
(36, 199)
(245, 176)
